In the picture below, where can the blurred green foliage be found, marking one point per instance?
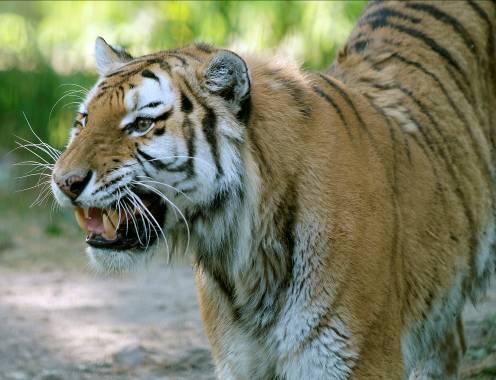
(46, 47)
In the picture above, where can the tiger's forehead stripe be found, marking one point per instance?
(154, 88)
(153, 96)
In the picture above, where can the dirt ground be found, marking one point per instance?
(60, 321)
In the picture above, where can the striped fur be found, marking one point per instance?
(338, 221)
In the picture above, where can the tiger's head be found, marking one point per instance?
(156, 141)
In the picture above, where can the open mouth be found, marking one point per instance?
(126, 225)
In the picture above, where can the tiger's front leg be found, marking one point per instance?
(328, 351)
(236, 354)
(443, 360)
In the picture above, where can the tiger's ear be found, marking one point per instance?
(108, 57)
(226, 75)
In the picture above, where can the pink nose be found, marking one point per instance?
(73, 183)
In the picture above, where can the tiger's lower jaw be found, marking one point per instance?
(124, 230)
(114, 261)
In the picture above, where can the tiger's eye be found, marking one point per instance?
(143, 124)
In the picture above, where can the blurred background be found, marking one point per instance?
(46, 48)
(60, 321)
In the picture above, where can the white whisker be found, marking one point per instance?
(175, 156)
(58, 101)
(173, 205)
(150, 180)
(159, 227)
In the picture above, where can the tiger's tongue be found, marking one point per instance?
(94, 222)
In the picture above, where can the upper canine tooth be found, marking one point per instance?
(80, 219)
(114, 217)
(110, 229)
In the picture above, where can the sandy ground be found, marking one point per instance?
(61, 325)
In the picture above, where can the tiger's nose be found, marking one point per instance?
(73, 183)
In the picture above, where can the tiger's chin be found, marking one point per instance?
(113, 261)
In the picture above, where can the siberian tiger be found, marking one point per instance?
(337, 221)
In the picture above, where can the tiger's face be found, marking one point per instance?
(157, 138)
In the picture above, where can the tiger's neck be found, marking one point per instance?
(246, 245)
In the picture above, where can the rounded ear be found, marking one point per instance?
(226, 75)
(108, 57)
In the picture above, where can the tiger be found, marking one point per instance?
(336, 221)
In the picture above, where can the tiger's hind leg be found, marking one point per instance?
(444, 359)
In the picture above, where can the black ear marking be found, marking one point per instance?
(227, 75)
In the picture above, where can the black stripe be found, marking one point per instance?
(189, 135)
(227, 288)
(244, 112)
(359, 46)
(396, 243)
(334, 105)
(209, 124)
(157, 164)
(444, 155)
(124, 71)
(438, 49)
(186, 105)
(464, 89)
(150, 105)
(380, 17)
(149, 74)
(151, 61)
(448, 20)
(390, 127)
(121, 53)
(191, 55)
(263, 164)
(346, 98)
(181, 59)
(108, 184)
(459, 113)
(294, 89)
(159, 131)
(110, 195)
(122, 93)
(142, 164)
(164, 116)
(482, 14)
(164, 65)
(77, 124)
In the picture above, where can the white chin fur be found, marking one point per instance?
(109, 261)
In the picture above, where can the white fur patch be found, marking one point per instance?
(331, 355)
(148, 92)
(401, 116)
